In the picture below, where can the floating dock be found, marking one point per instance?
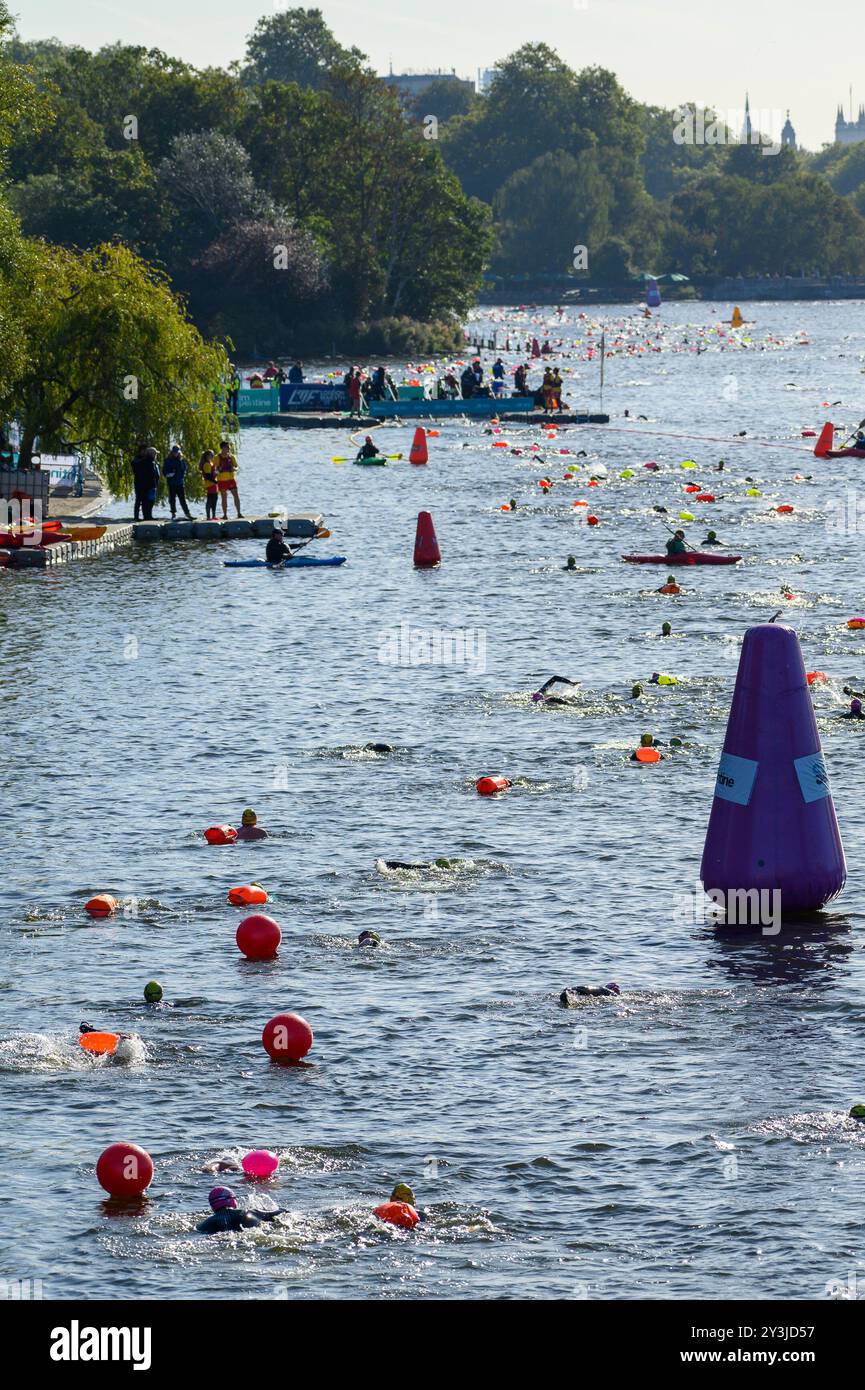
(308, 420)
(300, 525)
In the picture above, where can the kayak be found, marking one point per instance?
(376, 462)
(687, 557)
(299, 562)
(843, 454)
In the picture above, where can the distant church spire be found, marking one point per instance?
(746, 129)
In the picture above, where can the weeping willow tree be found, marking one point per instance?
(111, 361)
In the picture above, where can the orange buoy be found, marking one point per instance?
(855, 624)
(501, 444)
(103, 1044)
(418, 452)
(692, 487)
(247, 895)
(647, 755)
(398, 1214)
(426, 546)
(785, 509)
(709, 497)
(579, 503)
(220, 835)
(101, 906)
(816, 677)
(491, 786)
(669, 589)
(826, 440)
(433, 434)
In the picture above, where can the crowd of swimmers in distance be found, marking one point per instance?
(218, 473)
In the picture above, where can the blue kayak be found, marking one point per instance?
(299, 562)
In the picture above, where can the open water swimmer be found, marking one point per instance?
(227, 1216)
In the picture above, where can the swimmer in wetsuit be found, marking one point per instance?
(227, 1216)
(541, 697)
(570, 997)
(249, 829)
(854, 712)
(369, 938)
(712, 539)
(648, 741)
(378, 748)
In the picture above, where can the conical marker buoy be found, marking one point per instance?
(826, 440)
(426, 546)
(773, 846)
(418, 452)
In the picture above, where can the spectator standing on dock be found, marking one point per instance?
(498, 377)
(467, 383)
(207, 469)
(354, 391)
(557, 388)
(548, 388)
(174, 470)
(295, 374)
(145, 475)
(521, 380)
(226, 477)
(233, 388)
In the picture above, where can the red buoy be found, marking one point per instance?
(103, 905)
(426, 546)
(124, 1170)
(220, 835)
(287, 1038)
(491, 786)
(258, 937)
(418, 452)
(398, 1214)
(826, 440)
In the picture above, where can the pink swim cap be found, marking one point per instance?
(220, 1198)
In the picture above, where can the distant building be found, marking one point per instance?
(486, 78)
(412, 84)
(849, 132)
(788, 134)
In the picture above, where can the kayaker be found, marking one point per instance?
(174, 470)
(227, 1216)
(541, 697)
(676, 543)
(711, 539)
(249, 827)
(207, 469)
(647, 741)
(226, 478)
(277, 551)
(855, 711)
(569, 998)
(367, 450)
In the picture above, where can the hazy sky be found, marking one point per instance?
(787, 53)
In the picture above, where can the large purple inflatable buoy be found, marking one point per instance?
(772, 829)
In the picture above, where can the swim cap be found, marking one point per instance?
(537, 696)
(636, 690)
(220, 1198)
(647, 740)
(369, 938)
(402, 1193)
(153, 991)
(614, 988)
(857, 1112)
(249, 817)
(675, 743)
(856, 706)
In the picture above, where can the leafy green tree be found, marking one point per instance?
(545, 211)
(208, 179)
(110, 360)
(611, 264)
(294, 46)
(445, 98)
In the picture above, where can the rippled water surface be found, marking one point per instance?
(687, 1139)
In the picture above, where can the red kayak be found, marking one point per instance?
(843, 454)
(687, 557)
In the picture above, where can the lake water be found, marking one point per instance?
(688, 1139)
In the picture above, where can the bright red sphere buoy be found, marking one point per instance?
(287, 1038)
(258, 937)
(124, 1170)
(103, 905)
(398, 1214)
(592, 520)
